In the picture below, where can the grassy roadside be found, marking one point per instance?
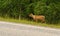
(24, 21)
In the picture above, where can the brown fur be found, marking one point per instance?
(38, 17)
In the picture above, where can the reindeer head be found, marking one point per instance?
(30, 15)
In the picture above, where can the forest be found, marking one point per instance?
(22, 8)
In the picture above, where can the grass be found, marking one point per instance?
(28, 22)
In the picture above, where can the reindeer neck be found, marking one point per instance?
(33, 16)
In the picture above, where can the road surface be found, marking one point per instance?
(17, 29)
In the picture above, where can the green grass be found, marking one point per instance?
(28, 22)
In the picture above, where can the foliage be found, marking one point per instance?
(22, 8)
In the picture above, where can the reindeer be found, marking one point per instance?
(38, 17)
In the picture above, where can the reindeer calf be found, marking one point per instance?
(38, 17)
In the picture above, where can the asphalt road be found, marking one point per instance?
(17, 29)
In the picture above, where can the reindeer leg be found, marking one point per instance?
(36, 20)
(43, 21)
